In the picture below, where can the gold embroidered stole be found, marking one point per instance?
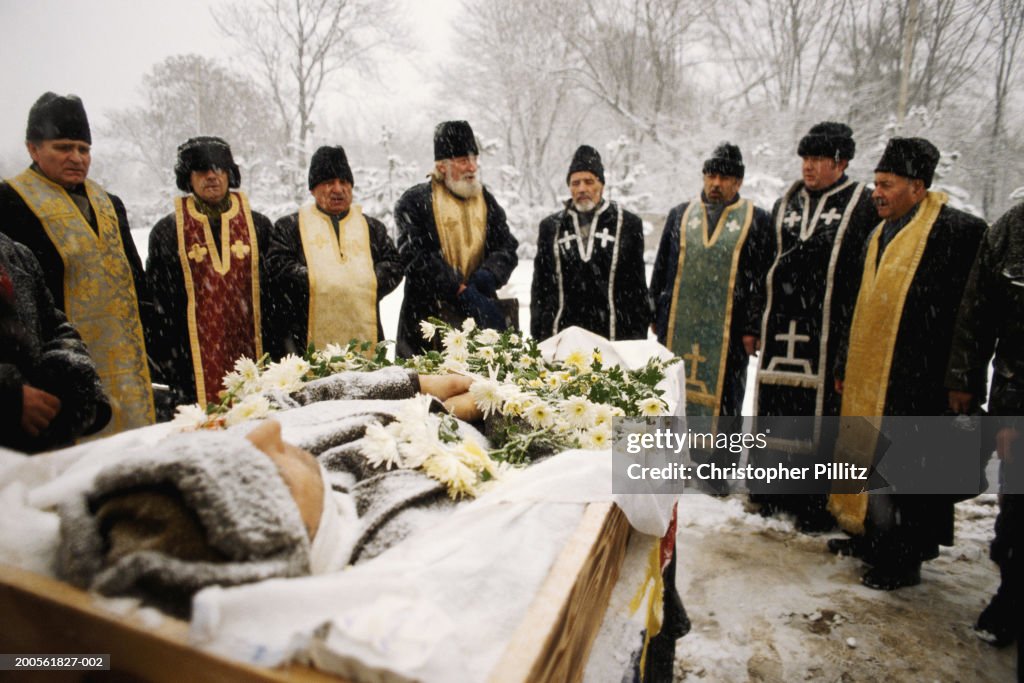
(99, 293)
(222, 288)
(700, 318)
(461, 228)
(872, 345)
(342, 282)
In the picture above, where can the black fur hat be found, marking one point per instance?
(454, 139)
(201, 154)
(586, 158)
(828, 139)
(54, 116)
(725, 160)
(329, 163)
(910, 158)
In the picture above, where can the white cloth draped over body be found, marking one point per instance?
(439, 606)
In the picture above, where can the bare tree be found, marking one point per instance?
(778, 48)
(189, 95)
(299, 45)
(1008, 18)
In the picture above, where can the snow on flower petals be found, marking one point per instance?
(286, 375)
(252, 407)
(488, 396)
(191, 417)
(448, 468)
(427, 330)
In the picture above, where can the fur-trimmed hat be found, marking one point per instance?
(725, 160)
(828, 139)
(201, 154)
(910, 158)
(454, 139)
(329, 163)
(586, 158)
(227, 518)
(54, 117)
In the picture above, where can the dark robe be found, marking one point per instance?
(902, 530)
(747, 294)
(170, 344)
(286, 261)
(811, 290)
(597, 283)
(430, 282)
(39, 347)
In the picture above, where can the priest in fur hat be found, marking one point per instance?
(707, 283)
(915, 268)
(208, 277)
(589, 269)
(331, 264)
(819, 225)
(80, 235)
(454, 241)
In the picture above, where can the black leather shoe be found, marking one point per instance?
(995, 623)
(886, 579)
(846, 547)
(816, 524)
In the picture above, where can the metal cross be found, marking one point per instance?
(832, 215)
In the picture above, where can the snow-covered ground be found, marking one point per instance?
(771, 604)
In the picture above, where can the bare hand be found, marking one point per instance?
(444, 386)
(1004, 443)
(751, 344)
(838, 383)
(464, 407)
(960, 402)
(38, 408)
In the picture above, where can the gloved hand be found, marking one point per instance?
(484, 281)
(483, 310)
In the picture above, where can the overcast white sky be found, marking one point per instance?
(99, 50)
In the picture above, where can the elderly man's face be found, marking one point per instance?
(586, 190)
(895, 196)
(721, 189)
(460, 175)
(299, 470)
(822, 172)
(333, 196)
(210, 185)
(63, 161)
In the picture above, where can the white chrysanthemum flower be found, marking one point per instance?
(525, 362)
(468, 325)
(488, 336)
(578, 359)
(597, 438)
(596, 357)
(286, 375)
(415, 410)
(455, 339)
(427, 330)
(652, 406)
(513, 339)
(448, 469)
(380, 448)
(577, 412)
(539, 414)
(486, 354)
(603, 415)
(191, 417)
(244, 378)
(473, 457)
(488, 396)
(515, 401)
(553, 381)
(535, 383)
(252, 407)
(454, 366)
(332, 350)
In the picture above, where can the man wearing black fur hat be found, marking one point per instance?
(331, 264)
(894, 361)
(589, 269)
(80, 235)
(208, 277)
(820, 226)
(454, 241)
(707, 282)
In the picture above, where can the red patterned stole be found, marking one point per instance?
(223, 290)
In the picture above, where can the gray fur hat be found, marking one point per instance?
(245, 518)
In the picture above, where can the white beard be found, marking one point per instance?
(464, 189)
(586, 206)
